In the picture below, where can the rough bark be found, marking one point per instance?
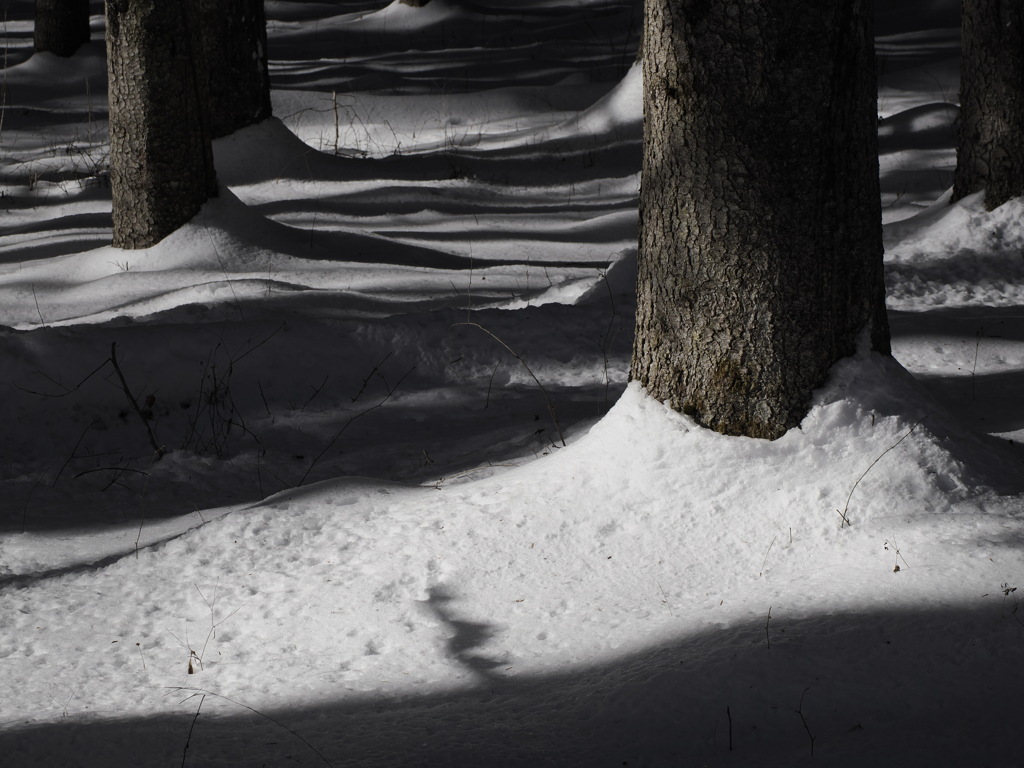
(235, 43)
(990, 148)
(760, 258)
(161, 160)
(61, 26)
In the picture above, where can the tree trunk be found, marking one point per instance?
(235, 42)
(161, 160)
(990, 149)
(760, 258)
(61, 26)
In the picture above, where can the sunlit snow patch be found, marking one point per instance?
(955, 255)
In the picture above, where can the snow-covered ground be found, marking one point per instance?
(405, 510)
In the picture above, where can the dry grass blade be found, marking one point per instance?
(517, 356)
(846, 508)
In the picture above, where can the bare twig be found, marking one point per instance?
(1008, 591)
(71, 456)
(223, 268)
(369, 376)
(347, 424)
(899, 555)
(215, 403)
(159, 451)
(253, 347)
(767, 637)
(974, 367)
(316, 392)
(846, 520)
(517, 356)
(337, 122)
(490, 383)
(188, 739)
(766, 554)
(202, 692)
(142, 519)
(67, 391)
(38, 310)
(800, 711)
(263, 397)
(213, 622)
(118, 470)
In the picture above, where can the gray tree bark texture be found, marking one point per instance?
(760, 260)
(235, 43)
(990, 147)
(61, 26)
(161, 159)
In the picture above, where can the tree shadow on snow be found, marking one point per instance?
(988, 402)
(910, 688)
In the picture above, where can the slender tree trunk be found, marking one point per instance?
(760, 257)
(235, 42)
(161, 160)
(990, 150)
(61, 26)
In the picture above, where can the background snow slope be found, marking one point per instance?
(410, 513)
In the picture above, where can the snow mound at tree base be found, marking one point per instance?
(642, 580)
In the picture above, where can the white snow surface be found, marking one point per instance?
(406, 511)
